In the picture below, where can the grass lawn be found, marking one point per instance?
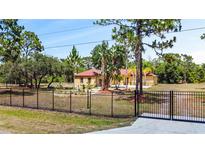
(178, 87)
(18, 120)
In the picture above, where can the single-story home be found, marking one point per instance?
(93, 78)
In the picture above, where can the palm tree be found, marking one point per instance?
(109, 60)
(101, 57)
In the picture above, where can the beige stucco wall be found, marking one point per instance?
(150, 80)
(147, 81)
(93, 81)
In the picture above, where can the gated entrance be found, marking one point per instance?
(173, 105)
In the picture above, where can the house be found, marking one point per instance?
(92, 77)
(89, 77)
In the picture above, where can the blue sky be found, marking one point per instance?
(187, 42)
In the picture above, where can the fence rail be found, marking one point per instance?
(112, 104)
(170, 105)
(173, 105)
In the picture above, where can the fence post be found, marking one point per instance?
(112, 105)
(171, 105)
(37, 98)
(90, 102)
(53, 101)
(139, 95)
(135, 103)
(10, 97)
(23, 97)
(87, 99)
(70, 101)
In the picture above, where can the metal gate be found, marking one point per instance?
(172, 105)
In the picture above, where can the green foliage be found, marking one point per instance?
(30, 43)
(10, 40)
(74, 64)
(176, 68)
(109, 59)
(133, 32)
(87, 62)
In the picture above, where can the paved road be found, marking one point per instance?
(154, 126)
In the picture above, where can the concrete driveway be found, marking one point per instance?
(155, 126)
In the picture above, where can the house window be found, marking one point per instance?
(89, 80)
(81, 80)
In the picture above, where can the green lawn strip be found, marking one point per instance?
(17, 120)
(178, 87)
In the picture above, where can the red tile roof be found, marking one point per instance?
(94, 72)
(89, 73)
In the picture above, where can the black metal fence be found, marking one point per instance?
(113, 104)
(173, 105)
(170, 105)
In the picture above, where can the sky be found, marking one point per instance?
(80, 31)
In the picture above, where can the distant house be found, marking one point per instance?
(93, 77)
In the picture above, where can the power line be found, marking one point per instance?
(66, 30)
(191, 29)
(83, 43)
(93, 42)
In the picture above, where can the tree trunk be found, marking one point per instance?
(103, 73)
(138, 59)
(126, 71)
(31, 80)
(106, 83)
(39, 83)
(26, 83)
(36, 83)
(50, 82)
(141, 73)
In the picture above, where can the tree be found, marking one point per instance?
(134, 31)
(87, 62)
(109, 60)
(187, 63)
(38, 67)
(55, 69)
(101, 57)
(67, 71)
(11, 72)
(173, 68)
(10, 40)
(30, 44)
(176, 68)
(74, 62)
